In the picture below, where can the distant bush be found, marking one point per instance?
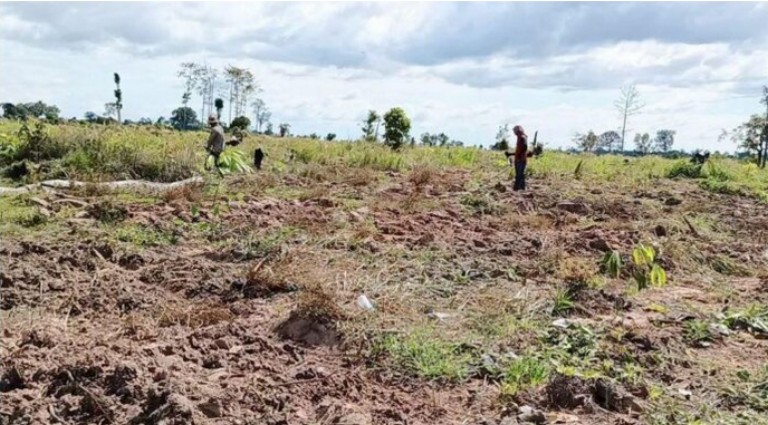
(684, 169)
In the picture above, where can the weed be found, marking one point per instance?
(425, 353)
(576, 270)
(753, 318)
(108, 212)
(421, 176)
(480, 204)
(143, 237)
(751, 390)
(522, 373)
(728, 267)
(611, 263)
(562, 302)
(696, 332)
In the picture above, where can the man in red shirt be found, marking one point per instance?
(521, 157)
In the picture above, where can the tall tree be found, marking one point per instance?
(628, 104)
(241, 86)
(643, 143)
(502, 139)
(664, 140)
(118, 98)
(261, 113)
(750, 137)
(609, 140)
(371, 126)
(188, 73)
(183, 118)
(285, 129)
(586, 142)
(396, 127)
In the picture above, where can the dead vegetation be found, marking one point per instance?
(242, 300)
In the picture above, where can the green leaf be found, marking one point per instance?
(658, 276)
(637, 257)
(648, 253)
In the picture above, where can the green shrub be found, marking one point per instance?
(684, 169)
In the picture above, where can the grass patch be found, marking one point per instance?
(426, 353)
(143, 237)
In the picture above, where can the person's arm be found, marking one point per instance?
(211, 138)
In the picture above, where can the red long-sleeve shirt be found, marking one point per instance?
(521, 150)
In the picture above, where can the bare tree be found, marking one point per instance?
(628, 104)
(644, 143)
(188, 72)
(261, 113)
(205, 78)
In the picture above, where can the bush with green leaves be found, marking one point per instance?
(396, 128)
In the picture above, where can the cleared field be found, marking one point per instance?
(236, 301)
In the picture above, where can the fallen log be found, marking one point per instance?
(125, 185)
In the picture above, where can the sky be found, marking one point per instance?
(462, 68)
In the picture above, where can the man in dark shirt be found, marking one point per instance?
(521, 157)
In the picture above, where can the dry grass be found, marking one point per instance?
(194, 316)
(421, 176)
(318, 302)
(189, 193)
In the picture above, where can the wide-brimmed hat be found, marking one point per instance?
(212, 119)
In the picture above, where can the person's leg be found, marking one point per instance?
(522, 175)
(518, 177)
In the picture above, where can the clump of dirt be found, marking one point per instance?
(164, 407)
(11, 379)
(313, 320)
(566, 392)
(613, 397)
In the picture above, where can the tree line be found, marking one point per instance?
(239, 86)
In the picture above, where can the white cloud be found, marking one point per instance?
(460, 68)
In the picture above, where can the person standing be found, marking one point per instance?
(215, 143)
(521, 157)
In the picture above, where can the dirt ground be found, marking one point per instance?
(188, 309)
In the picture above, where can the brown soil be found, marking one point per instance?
(94, 332)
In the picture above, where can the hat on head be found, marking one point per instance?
(212, 119)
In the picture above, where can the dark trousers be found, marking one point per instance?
(519, 176)
(215, 156)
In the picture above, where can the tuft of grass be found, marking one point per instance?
(523, 373)
(427, 354)
(696, 332)
(142, 236)
(562, 302)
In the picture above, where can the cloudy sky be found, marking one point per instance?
(461, 68)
